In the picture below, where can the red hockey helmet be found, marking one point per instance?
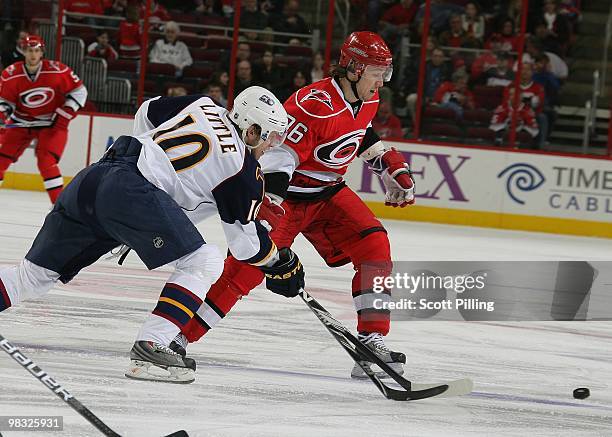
(33, 41)
(362, 49)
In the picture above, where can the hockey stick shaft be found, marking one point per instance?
(61, 392)
(342, 335)
(360, 353)
(55, 387)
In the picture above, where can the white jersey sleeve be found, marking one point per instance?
(279, 159)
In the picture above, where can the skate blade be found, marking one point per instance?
(146, 371)
(358, 373)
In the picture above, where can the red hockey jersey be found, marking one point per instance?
(53, 86)
(323, 136)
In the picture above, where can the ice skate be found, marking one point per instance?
(155, 362)
(375, 342)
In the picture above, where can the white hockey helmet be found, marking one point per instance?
(257, 105)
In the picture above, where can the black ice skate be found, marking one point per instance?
(155, 362)
(375, 342)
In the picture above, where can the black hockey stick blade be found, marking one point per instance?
(52, 384)
(361, 353)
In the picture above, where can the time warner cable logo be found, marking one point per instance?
(521, 177)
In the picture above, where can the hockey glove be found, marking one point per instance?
(286, 276)
(271, 210)
(62, 117)
(397, 179)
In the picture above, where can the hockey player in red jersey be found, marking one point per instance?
(330, 125)
(38, 98)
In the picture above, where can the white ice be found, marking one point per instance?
(271, 369)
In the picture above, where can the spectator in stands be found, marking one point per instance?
(272, 7)
(505, 41)
(557, 66)
(244, 77)
(129, 35)
(456, 36)
(502, 118)
(252, 18)
(243, 53)
(9, 57)
(549, 81)
(396, 20)
(317, 73)
(513, 11)
(437, 71)
(299, 79)
(101, 48)
(386, 124)
(117, 9)
(545, 40)
(472, 22)
(170, 50)
(215, 90)
(501, 74)
(158, 13)
(570, 10)
(551, 86)
(290, 21)
(222, 78)
(208, 8)
(176, 91)
(483, 62)
(455, 95)
(83, 7)
(557, 25)
(440, 14)
(267, 73)
(532, 94)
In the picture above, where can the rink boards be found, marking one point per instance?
(456, 185)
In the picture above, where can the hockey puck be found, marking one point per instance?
(582, 393)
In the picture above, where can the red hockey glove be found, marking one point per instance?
(397, 179)
(62, 117)
(271, 211)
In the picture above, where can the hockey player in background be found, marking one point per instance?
(187, 160)
(38, 99)
(329, 125)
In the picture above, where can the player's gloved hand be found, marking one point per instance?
(5, 113)
(397, 179)
(286, 276)
(271, 211)
(62, 117)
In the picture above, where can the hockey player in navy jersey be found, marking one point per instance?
(187, 159)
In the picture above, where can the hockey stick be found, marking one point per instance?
(61, 392)
(26, 124)
(361, 353)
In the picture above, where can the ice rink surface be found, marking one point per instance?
(271, 369)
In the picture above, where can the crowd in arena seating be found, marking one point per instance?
(470, 69)
(472, 63)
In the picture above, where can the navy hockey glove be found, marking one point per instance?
(286, 276)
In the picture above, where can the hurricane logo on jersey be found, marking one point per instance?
(340, 152)
(320, 96)
(37, 97)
